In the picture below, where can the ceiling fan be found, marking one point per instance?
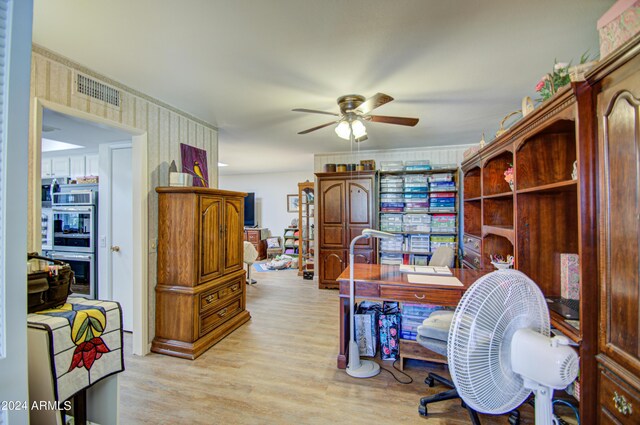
(354, 110)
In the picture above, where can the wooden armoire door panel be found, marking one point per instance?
(621, 291)
(332, 213)
(233, 233)
(332, 263)
(360, 199)
(210, 228)
(360, 202)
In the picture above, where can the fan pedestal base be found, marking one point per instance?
(367, 369)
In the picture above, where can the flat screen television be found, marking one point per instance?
(250, 210)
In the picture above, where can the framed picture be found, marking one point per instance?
(292, 203)
(194, 162)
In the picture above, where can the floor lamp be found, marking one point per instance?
(356, 367)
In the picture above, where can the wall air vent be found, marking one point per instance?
(97, 90)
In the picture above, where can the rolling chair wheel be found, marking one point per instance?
(429, 381)
(514, 418)
(422, 410)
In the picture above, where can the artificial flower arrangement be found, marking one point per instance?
(553, 81)
(508, 176)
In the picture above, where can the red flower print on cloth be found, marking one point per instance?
(88, 352)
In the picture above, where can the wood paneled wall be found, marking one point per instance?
(166, 127)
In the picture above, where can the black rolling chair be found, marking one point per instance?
(433, 334)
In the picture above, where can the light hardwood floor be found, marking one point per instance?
(280, 368)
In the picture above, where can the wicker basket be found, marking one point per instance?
(47, 290)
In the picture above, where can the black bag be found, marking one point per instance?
(46, 289)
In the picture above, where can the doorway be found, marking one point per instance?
(138, 210)
(115, 251)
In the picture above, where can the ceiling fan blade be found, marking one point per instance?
(317, 128)
(361, 139)
(373, 102)
(313, 111)
(393, 120)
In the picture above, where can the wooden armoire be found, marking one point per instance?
(200, 296)
(616, 86)
(345, 206)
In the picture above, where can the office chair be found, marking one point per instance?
(249, 257)
(443, 256)
(433, 335)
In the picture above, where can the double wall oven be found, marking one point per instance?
(74, 236)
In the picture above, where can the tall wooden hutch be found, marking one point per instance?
(547, 212)
(595, 123)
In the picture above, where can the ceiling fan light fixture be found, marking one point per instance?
(358, 128)
(343, 130)
(345, 127)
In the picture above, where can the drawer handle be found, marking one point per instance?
(622, 405)
(235, 288)
(420, 298)
(210, 298)
(222, 312)
(476, 261)
(476, 244)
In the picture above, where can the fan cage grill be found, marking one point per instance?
(479, 349)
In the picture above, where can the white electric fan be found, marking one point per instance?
(499, 349)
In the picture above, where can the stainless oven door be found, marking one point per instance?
(74, 228)
(83, 266)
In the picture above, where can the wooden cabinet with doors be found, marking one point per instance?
(200, 296)
(345, 206)
(616, 83)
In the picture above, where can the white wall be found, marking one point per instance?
(271, 195)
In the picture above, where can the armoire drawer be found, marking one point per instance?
(219, 315)
(618, 399)
(213, 297)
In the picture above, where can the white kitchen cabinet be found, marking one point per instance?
(45, 168)
(91, 165)
(76, 166)
(60, 166)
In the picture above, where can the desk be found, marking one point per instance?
(381, 282)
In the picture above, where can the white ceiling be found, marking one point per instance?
(458, 65)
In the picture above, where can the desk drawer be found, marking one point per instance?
(220, 315)
(471, 242)
(472, 258)
(445, 297)
(213, 297)
(617, 399)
